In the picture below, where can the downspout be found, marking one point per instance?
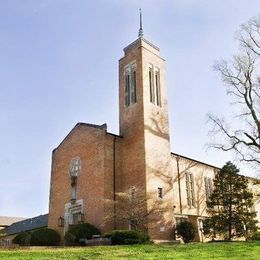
(114, 181)
(179, 182)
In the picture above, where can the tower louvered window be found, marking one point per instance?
(190, 189)
(158, 87)
(155, 85)
(130, 84)
(151, 85)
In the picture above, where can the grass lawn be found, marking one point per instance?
(233, 250)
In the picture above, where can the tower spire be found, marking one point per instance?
(141, 32)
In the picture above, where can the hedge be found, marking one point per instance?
(186, 230)
(255, 236)
(22, 239)
(45, 237)
(82, 230)
(126, 237)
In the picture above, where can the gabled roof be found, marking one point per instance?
(188, 158)
(27, 225)
(104, 126)
(256, 180)
(6, 221)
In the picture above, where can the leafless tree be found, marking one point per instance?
(241, 75)
(131, 208)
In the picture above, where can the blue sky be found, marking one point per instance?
(59, 66)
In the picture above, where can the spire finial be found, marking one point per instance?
(141, 32)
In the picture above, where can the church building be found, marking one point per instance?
(91, 165)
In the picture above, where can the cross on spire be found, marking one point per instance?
(141, 32)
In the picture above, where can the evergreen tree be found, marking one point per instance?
(230, 205)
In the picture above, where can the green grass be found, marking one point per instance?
(233, 250)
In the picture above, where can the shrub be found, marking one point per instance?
(69, 239)
(255, 236)
(127, 237)
(45, 237)
(186, 230)
(107, 235)
(22, 239)
(82, 230)
(209, 227)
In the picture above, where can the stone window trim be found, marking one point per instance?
(158, 86)
(74, 170)
(130, 82)
(154, 85)
(151, 84)
(190, 191)
(71, 211)
(132, 224)
(74, 167)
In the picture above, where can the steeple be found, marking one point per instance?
(141, 41)
(141, 32)
(143, 114)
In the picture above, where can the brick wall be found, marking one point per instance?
(88, 143)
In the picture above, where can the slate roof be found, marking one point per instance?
(27, 224)
(7, 221)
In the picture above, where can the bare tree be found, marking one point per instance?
(131, 208)
(242, 78)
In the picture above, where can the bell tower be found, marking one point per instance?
(144, 126)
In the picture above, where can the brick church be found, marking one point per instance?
(91, 165)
